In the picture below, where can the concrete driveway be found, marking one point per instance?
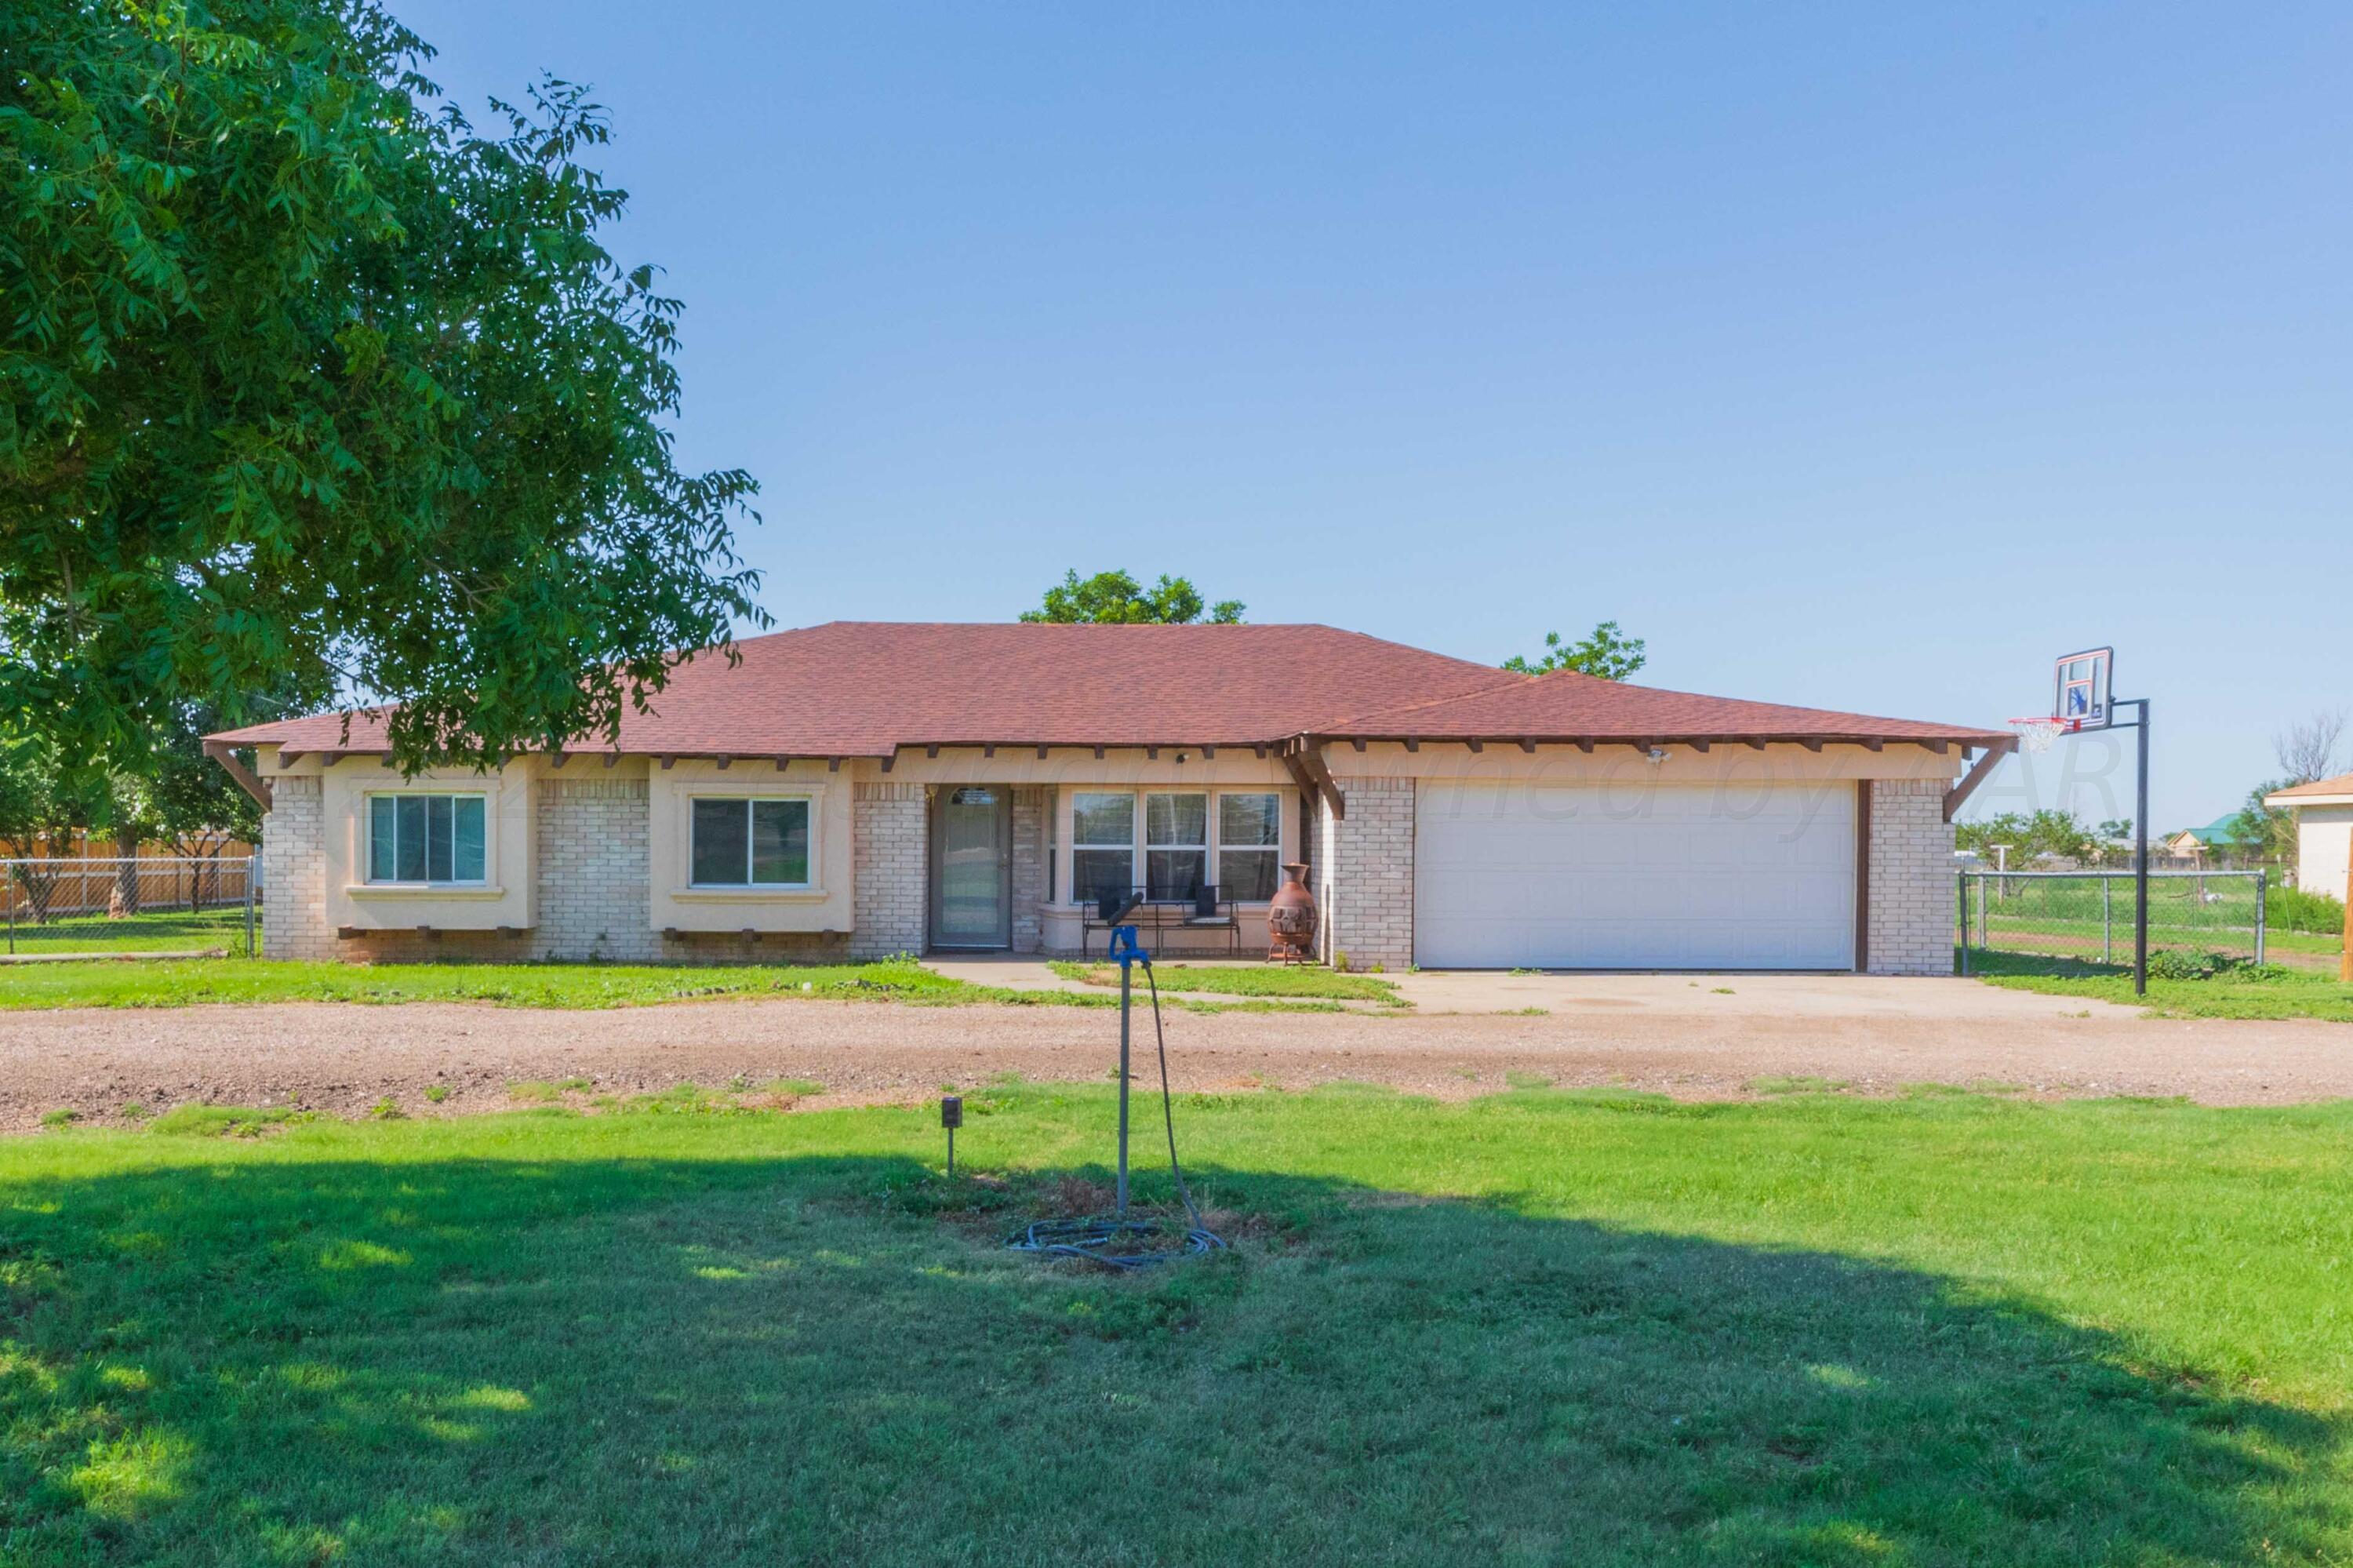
(1784, 996)
(1726, 997)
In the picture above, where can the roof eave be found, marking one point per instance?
(1966, 739)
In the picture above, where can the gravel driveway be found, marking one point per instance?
(344, 1058)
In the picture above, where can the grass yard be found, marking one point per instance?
(1538, 1328)
(2093, 921)
(1244, 979)
(170, 983)
(2274, 992)
(157, 931)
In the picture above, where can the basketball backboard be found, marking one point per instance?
(2079, 688)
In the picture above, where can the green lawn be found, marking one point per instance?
(178, 983)
(1245, 980)
(2069, 918)
(1536, 1327)
(2248, 993)
(154, 932)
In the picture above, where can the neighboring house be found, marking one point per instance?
(857, 789)
(2208, 845)
(2324, 831)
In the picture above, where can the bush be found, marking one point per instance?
(2294, 909)
(2174, 964)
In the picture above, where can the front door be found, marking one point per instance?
(972, 867)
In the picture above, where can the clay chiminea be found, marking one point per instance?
(1291, 919)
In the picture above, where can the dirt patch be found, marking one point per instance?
(444, 1059)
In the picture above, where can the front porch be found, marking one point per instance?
(1015, 868)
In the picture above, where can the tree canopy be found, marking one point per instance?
(299, 371)
(1606, 652)
(2031, 836)
(1115, 598)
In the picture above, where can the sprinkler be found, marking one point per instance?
(1119, 1241)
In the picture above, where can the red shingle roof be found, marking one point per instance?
(865, 688)
(1566, 705)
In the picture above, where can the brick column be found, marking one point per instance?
(1364, 875)
(1912, 878)
(1033, 809)
(294, 871)
(889, 843)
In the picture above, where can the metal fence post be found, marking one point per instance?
(1965, 922)
(2107, 920)
(1985, 934)
(2263, 890)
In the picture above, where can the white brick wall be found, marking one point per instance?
(1912, 878)
(592, 869)
(1033, 809)
(1364, 875)
(293, 871)
(889, 841)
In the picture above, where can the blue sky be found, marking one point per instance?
(1861, 356)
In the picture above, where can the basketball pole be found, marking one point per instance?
(2140, 846)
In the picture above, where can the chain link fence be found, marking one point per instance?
(113, 906)
(2087, 915)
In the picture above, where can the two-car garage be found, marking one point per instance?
(1612, 876)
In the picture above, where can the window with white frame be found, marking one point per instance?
(748, 842)
(1175, 846)
(425, 838)
(1250, 845)
(1103, 844)
(1170, 847)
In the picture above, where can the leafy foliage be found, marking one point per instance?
(2304, 909)
(2029, 837)
(1115, 598)
(1606, 652)
(2260, 832)
(300, 372)
(42, 804)
(39, 806)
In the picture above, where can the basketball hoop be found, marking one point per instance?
(2042, 732)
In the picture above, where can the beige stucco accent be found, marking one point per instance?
(505, 897)
(1076, 768)
(2322, 836)
(1734, 763)
(825, 904)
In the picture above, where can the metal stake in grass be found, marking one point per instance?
(1119, 1241)
(951, 1117)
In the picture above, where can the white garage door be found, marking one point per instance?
(1624, 876)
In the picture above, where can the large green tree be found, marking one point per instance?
(299, 371)
(1115, 598)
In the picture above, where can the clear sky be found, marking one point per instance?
(1865, 356)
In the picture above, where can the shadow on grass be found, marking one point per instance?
(762, 1361)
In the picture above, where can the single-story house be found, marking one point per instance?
(861, 788)
(2195, 847)
(2324, 831)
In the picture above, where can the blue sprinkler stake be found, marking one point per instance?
(1126, 954)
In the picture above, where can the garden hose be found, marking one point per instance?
(1094, 1239)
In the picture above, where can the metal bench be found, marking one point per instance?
(1205, 911)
